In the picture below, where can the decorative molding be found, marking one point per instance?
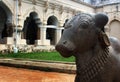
(34, 2)
(68, 10)
(49, 5)
(61, 9)
(73, 12)
(19, 2)
(77, 12)
(53, 6)
(46, 6)
(28, 11)
(34, 8)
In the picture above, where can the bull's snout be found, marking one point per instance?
(64, 48)
(61, 45)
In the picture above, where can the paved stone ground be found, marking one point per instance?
(10, 74)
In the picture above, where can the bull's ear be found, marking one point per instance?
(101, 20)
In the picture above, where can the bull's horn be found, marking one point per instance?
(101, 20)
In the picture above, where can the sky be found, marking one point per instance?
(88, 1)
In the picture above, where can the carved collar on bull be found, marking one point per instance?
(91, 69)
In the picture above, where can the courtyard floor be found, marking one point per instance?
(10, 74)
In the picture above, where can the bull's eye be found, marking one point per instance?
(84, 25)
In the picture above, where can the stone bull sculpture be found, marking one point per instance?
(96, 59)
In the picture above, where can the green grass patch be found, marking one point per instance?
(53, 56)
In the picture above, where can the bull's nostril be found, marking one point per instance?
(64, 42)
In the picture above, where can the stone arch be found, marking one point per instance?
(31, 29)
(64, 18)
(50, 14)
(8, 5)
(28, 11)
(52, 20)
(112, 19)
(50, 32)
(115, 28)
(6, 26)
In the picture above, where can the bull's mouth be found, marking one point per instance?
(65, 52)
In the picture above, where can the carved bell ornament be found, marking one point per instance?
(104, 40)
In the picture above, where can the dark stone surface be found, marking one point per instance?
(84, 38)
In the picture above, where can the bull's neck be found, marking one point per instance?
(84, 57)
(91, 62)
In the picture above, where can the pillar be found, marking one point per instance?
(19, 40)
(58, 34)
(44, 41)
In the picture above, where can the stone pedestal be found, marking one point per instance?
(19, 39)
(46, 42)
(3, 47)
(23, 42)
(9, 40)
(38, 42)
